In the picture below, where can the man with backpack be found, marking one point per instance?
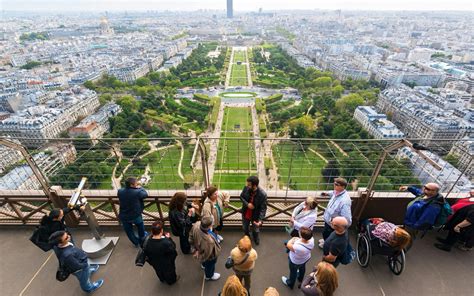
(428, 209)
(73, 260)
(336, 245)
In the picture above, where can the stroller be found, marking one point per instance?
(368, 245)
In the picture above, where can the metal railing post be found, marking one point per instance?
(31, 162)
(205, 168)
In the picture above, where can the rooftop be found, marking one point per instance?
(428, 271)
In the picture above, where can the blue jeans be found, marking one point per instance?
(84, 277)
(209, 267)
(128, 227)
(296, 270)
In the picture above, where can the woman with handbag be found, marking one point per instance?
(182, 215)
(160, 252)
(321, 282)
(243, 257)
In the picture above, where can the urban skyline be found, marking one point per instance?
(241, 5)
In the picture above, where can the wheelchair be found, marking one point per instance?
(368, 245)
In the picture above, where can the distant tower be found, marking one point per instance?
(230, 9)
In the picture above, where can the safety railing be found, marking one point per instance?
(287, 168)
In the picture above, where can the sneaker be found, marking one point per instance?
(214, 277)
(96, 285)
(284, 279)
(94, 268)
(443, 247)
(321, 244)
(441, 240)
(464, 248)
(220, 238)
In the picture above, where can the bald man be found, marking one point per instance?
(422, 213)
(336, 243)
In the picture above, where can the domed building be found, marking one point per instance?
(105, 29)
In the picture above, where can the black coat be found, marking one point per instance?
(49, 226)
(260, 203)
(180, 222)
(161, 254)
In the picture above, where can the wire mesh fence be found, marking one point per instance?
(281, 164)
(288, 169)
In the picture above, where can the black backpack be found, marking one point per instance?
(40, 238)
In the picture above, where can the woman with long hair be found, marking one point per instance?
(395, 236)
(322, 282)
(233, 287)
(182, 216)
(213, 206)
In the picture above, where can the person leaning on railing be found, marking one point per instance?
(304, 215)
(339, 205)
(131, 207)
(423, 211)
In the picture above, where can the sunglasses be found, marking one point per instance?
(337, 184)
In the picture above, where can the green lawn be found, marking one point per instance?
(239, 55)
(164, 168)
(238, 75)
(237, 155)
(305, 167)
(230, 181)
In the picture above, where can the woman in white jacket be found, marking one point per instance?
(305, 214)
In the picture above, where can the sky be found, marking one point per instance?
(239, 5)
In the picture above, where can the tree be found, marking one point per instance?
(322, 82)
(143, 81)
(349, 103)
(452, 159)
(90, 85)
(128, 103)
(302, 127)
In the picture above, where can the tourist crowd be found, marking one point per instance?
(198, 224)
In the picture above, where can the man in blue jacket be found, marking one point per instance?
(422, 214)
(131, 207)
(74, 260)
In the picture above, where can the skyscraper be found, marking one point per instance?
(230, 9)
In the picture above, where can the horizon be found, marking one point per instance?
(238, 5)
